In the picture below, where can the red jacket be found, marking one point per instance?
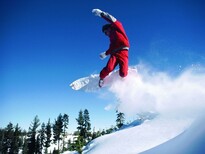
(118, 37)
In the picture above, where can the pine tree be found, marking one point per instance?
(32, 135)
(16, 142)
(10, 139)
(95, 134)
(120, 119)
(38, 145)
(87, 125)
(80, 121)
(8, 136)
(79, 143)
(25, 146)
(65, 126)
(1, 138)
(58, 130)
(48, 136)
(42, 137)
(84, 127)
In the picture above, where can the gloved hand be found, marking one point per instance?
(103, 55)
(97, 12)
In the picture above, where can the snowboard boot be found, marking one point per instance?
(101, 82)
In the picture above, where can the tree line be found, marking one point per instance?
(40, 136)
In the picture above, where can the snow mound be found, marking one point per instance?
(138, 138)
(190, 142)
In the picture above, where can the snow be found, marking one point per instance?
(191, 141)
(53, 146)
(179, 103)
(139, 138)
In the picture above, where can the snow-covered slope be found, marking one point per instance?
(157, 136)
(139, 138)
(178, 101)
(191, 141)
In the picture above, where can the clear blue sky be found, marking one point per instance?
(45, 45)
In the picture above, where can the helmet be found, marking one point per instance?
(105, 27)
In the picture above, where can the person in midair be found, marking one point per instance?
(118, 48)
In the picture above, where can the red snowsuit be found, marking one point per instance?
(118, 49)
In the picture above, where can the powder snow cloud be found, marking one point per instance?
(151, 91)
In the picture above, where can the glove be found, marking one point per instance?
(103, 55)
(97, 12)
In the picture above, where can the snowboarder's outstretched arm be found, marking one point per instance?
(104, 15)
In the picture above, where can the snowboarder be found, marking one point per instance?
(119, 46)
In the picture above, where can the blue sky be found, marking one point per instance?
(45, 45)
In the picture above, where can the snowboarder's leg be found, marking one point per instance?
(111, 64)
(123, 63)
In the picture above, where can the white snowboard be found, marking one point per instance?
(90, 83)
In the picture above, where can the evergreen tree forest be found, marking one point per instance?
(40, 137)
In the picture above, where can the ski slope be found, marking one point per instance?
(192, 141)
(157, 136)
(179, 102)
(139, 138)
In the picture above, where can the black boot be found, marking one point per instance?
(101, 82)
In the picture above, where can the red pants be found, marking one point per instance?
(120, 58)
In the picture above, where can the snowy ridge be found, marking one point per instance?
(192, 141)
(139, 138)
